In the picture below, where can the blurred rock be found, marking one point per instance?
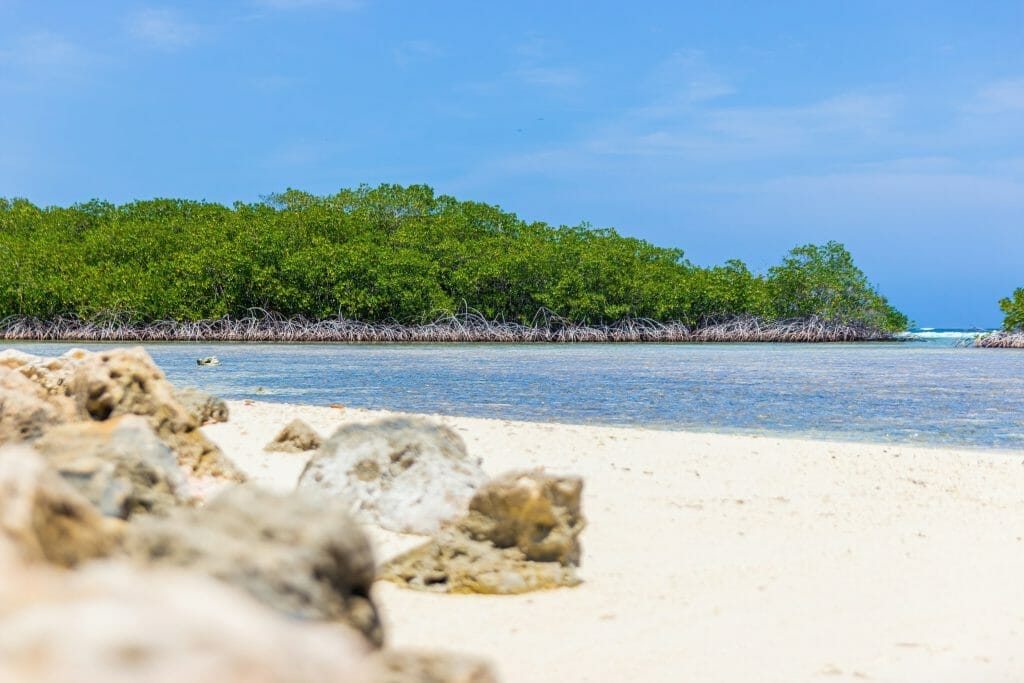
(299, 554)
(113, 623)
(204, 407)
(119, 465)
(521, 534)
(46, 519)
(51, 374)
(26, 409)
(295, 437)
(403, 473)
(401, 666)
(127, 382)
(534, 512)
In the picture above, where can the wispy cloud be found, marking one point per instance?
(297, 153)
(706, 132)
(999, 97)
(274, 83)
(163, 28)
(549, 76)
(36, 60)
(682, 81)
(534, 66)
(42, 50)
(414, 51)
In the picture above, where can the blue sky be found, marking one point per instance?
(728, 129)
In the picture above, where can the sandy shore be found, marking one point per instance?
(727, 558)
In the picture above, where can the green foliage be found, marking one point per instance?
(1014, 310)
(389, 253)
(823, 281)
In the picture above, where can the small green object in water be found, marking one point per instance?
(209, 360)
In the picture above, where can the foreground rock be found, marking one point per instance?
(204, 407)
(119, 465)
(405, 474)
(26, 409)
(117, 624)
(46, 520)
(398, 666)
(98, 386)
(128, 382)
(50, 374)
(521, 534)
(298, 554)
(295, 437)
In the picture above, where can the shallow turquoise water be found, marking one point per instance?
(905, 392)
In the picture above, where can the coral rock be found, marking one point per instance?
(205, 408)
(26, 409)
(401, 666)
(46, 519)
(127, 382)
(521, 534)
(51, 374)
(404, 474)
(298, 554)
(119, 465)
(296, 437)
(115, 623)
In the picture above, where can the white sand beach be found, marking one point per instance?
(723, 558)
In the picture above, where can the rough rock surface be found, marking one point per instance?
(401, 666)
(114, 623)
(405, 474)
(295, 437)
(521, 534)
(204, 407)
(46, 519)
(126, 381)
(52, 374)
(119, 465)
(298, 554)
(26, 409)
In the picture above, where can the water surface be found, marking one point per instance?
(901, 392)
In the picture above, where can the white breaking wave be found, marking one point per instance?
(949, 334)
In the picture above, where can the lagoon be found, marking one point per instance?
(913, 392)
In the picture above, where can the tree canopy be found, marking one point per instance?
(391, 253)
(1013, 307)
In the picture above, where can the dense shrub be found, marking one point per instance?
(390, 253)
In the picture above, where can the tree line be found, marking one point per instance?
(392, 253)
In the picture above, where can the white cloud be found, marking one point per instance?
(162, 28)
(998, 97)
(706, 132)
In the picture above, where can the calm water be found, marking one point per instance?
(925, 392)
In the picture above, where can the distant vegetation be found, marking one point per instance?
(1013, 307)
(393, 254)
(1012, 335)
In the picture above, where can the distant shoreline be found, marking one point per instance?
(454, 329)
(1001, 340)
